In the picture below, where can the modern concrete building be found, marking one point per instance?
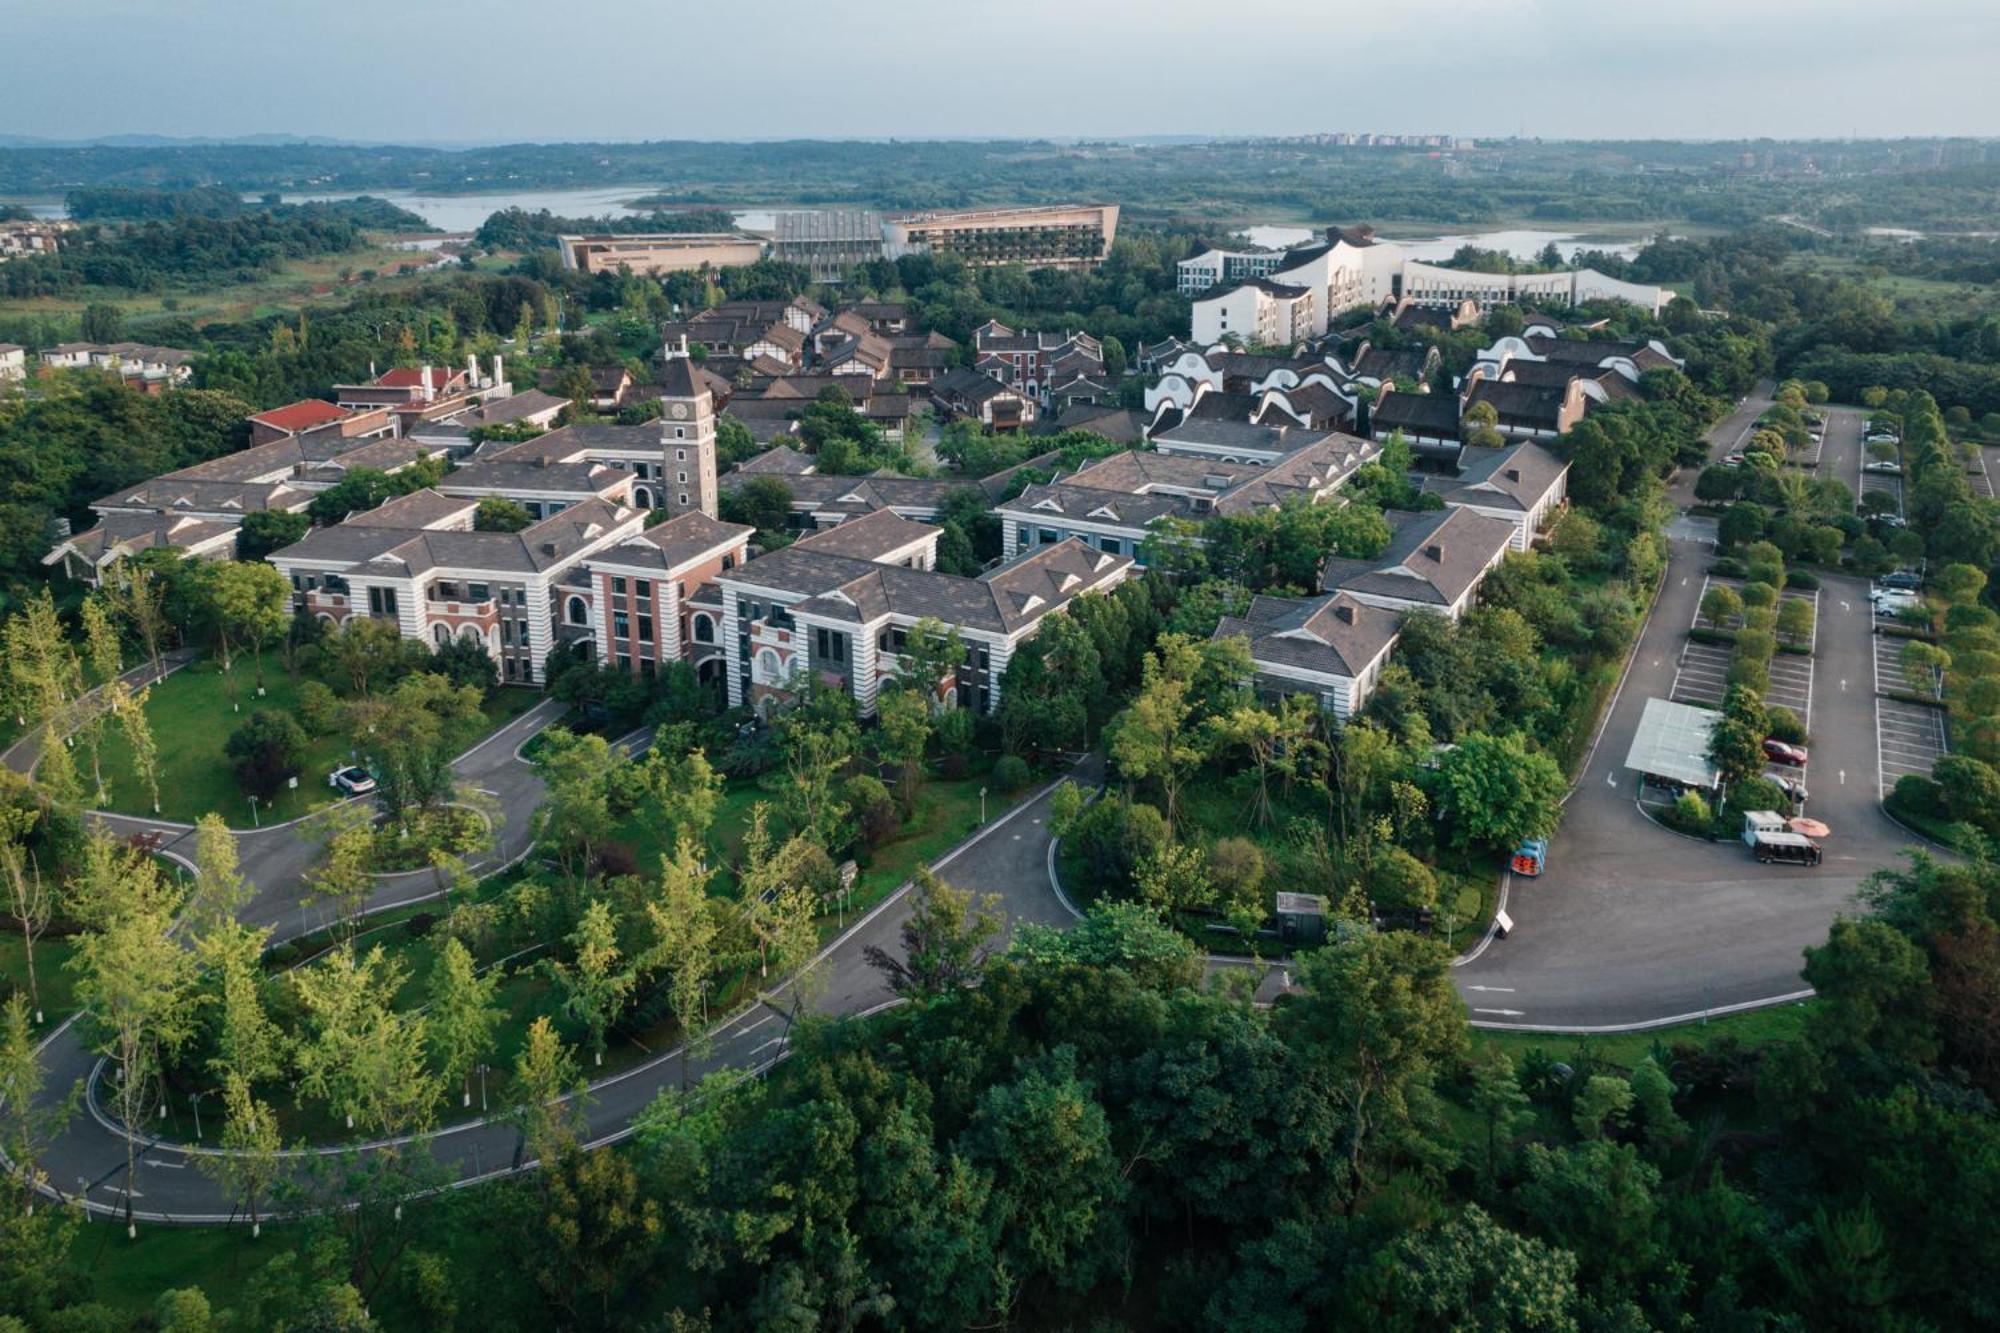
(1070, 236)
(649, 253)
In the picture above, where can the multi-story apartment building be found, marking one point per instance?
(1069, 236)
(417, 563)
(836, 608)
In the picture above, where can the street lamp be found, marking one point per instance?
(982, 805)
(482, 1089)
(194, 1100)
(253, 812)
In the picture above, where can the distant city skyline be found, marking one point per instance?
(593, 70)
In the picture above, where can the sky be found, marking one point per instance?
(520, 70)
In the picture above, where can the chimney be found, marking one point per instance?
(1344, 612)
(548, 548)
(471, 370)
(371, 371)
(499, 369)
(1435, 551)
(1513, 474)
(424, 384)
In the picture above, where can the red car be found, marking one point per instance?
(1780, 753)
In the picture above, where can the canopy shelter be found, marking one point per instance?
(1672, 743)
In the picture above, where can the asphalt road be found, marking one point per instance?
(1631, 926)
(1634, 925)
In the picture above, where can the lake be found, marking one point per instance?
(1520, 242)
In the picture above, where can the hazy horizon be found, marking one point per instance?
(596, 71)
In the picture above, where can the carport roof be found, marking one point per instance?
(1672, 742)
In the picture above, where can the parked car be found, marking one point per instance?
(352, 780)
(1882, 465)
(1793, 788)
(1902, 580)
(1778, 752)
(1890, 520)
(1889, 601)
(1733, 460)
(1881, 437)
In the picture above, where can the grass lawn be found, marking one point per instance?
(55, 981)
(1625, 1049)
(192, 718)
(130, 1275)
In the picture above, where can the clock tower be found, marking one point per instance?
(687, 441)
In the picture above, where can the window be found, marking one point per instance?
(578, 612)
(682, 478)
(642, 588)
(680, 433)
(1048, 536)
(729, 562)
(1111, 544)
(704, 630)
(382, 601)
(1024, 535)
(684, 497)
(680, 455)
(645, 629)
(618, 583)
(478, 592)
(445, 590)
(527, 669)
(621, 626)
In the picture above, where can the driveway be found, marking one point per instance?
(1635, 925)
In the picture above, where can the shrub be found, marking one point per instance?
(1799, 578)
(1111, 836)
(1727, 567)
(951, 732)
(319, 708)
(1758, 794)
(1689, 813)
(1783, 724)
(1011, 773)
(1759, 594)
(1401, 880)
(866, 795)
(1749, 673)
(1237, 866)
(1756, 646)
(1970, 790)
(1918, 795)
(419, 925)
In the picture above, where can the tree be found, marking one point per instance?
(496, 513)
(686, 792)
(1155, 737)
(28, 898)
(244, 1043)
(599, 1231)
(359, 1055)
(1720, 604)
(1492, 791)
(1481, 425)
(344, 874)
(248, 603)
(268, 749)
(544, 1076)
(250, 1161)
(266, 530)
(463, 1014)
(818, 738)
(1377, 1020)
(903, 721)
(1470, 1274)
(946, 939)
(1174, 878)
(684, 931)
(102, 322)
(574, 819)
(44, 674)
(1737, 749)
(763, 502)
(130, 711)
(369, 652)
(1795, 621)
(412, 736)
(1924, 664)
(1501, 1106)
(594, 984)
(27, 1121)
(138, 596)
(133, 985)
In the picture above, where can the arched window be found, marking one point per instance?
(642, 498)
(704, 629)
(441, 633)
(768, 670)
(578, 612)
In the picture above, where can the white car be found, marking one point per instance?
(1882, 465)
(351, 781)
(1890, 601)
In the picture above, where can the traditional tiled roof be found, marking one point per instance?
(363, 546)
(676, 543)
(1516, 478)
(295, 418)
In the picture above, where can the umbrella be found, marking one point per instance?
(1812, 828)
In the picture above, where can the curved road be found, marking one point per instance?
(1632, 926)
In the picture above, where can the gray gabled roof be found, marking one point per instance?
(1335, 633)
(1515, 478)
(1432, 559)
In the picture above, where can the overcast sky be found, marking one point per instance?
(732, 69)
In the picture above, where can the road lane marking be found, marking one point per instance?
(1507, 1013)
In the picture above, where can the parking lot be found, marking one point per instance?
(1980, 475)
(1910, 738)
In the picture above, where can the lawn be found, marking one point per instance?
(56, 982)
(193, 714)
(1754, 1027)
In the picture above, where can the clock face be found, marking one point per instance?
(680, 409)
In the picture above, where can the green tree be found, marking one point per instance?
(266, 530)
(134, 985)
(947, 938)
(496, 513)
(248, 603)
(684, 927)
(903, 719)
(595, 983)
(245, 1044)
(268, 750)
(250, 1162)
(1720, 605)
(463, 1016)
(1156, 737)
(1375, 1024)
(1492, 791)
(27, 1120)
(358, 1054)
